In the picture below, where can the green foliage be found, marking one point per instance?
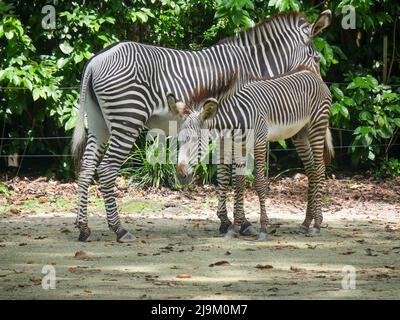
(4, 191)
(149, 165)
(388, 169)
(205, 171)
(373, 111)
(236, 13)
(285, 5)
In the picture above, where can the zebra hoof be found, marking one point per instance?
(224, 227)
(314, 232)
(124, 236)
(246, 229)
(303, 230)
(85, 235)
(262, 236)
(231, 234)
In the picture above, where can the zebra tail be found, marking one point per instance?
(79, 137)
(329, 151)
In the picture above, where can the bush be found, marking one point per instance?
(373, 111)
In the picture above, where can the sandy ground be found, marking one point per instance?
(177, 245)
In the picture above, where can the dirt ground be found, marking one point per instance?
(179, 255)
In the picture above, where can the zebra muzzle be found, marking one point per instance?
(184, 177)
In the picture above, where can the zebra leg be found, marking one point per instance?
(223, 178)
(317, 143)
(260, 186)
(240, 223)
(115, 155)
(93, 151)
(304, 150)
(238, 208)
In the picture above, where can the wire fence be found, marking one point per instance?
(78, 87)
(70, 137)
(271, 150)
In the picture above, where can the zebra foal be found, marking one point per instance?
(295, 105)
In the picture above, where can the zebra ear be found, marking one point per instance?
(324, 20)
(209, 109)
(176, 107)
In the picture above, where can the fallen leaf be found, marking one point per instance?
(266, 266)
(183, 276)
(82, 269)
(14, 211)
(370, 252)
(389, 228)
(296, 269)
(80, 255)
(222, 263)
(36, 281)
(392, 267)
(285, 246)
(347, 252)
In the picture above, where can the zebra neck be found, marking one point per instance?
(271, 43)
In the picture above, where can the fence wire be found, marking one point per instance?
(70, 137)
(271, 150)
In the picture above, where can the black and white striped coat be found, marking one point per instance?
(295, 105)
(124, 88)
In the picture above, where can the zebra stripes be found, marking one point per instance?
(295, 105)
(124, 88)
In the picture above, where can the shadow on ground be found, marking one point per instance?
(174, 250)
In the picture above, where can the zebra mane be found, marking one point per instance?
(260, 25)
(300, 67)
(226, 86)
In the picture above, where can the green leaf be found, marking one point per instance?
(78, 58)
(35, 94)
(365, 115)
(396, 121)
(283, 144)
(337, 92)
(344, 111)
(66, 48)
(9, 35)
(366, 140)
(371, 155)
(61, 62)
(335, 109)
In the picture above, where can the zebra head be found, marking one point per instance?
(305, 52)
(193, 135)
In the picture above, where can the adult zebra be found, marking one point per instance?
(124, 88)
(294, 105)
